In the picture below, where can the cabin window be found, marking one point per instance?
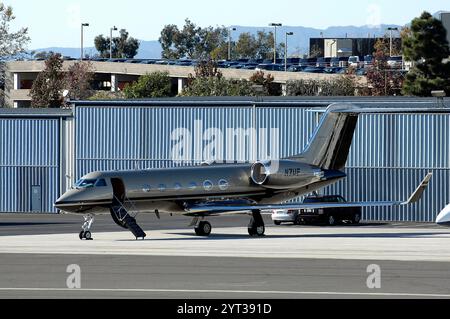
(223, 184)
(208, 185)
(192, 185)
(85, 183)
(100, 183)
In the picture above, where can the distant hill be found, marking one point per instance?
(297, 43)
(147, 50)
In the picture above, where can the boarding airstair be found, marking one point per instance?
(124, 214)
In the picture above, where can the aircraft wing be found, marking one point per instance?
(218, 207)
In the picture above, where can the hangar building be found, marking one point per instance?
(44, 151)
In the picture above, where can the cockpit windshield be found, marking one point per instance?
(86, 183)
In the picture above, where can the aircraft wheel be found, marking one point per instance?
(88, 235)
(278, 223)
(81, 235)
(203, 229)
(356, 219)
(260, 230)
(256, 230)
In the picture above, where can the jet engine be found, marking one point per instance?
(284, 174)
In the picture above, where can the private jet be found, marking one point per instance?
(217, 189)
(443, 218)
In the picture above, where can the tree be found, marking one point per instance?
(193, 42)
(43, 55)
(49, 84)
(266, 82)
(316, 51)
(78, 80)
(156, 84)
(264, 45)
(169, 40)
(106, 95)
(341, 86)
(209, 81)
(123, 46)
(257, 47)
(427, 47)
(246, 46)
(11, 43)
(207, 69)
(381, 79)
(215, 86)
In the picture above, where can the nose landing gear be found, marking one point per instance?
(85, 233)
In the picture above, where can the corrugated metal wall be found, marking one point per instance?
(29, 156)
(389, 156)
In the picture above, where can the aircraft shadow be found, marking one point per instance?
(13, 224)
(212, 237)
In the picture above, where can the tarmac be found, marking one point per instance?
(412, 260)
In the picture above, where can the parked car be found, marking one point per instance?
(327, 216)
(270, 67)
(332, 70)
(311, 69)
(285, 216)
(395, 62)
(322, 62)
(355, 62)
(303, 62)
(296, 68)
(368, 61)
(334, 62)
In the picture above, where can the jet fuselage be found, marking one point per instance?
(172, 190)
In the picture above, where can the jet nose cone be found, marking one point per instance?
(444, 217)
(66, 202)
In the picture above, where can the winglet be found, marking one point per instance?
(419, 191)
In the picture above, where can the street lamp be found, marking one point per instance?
(390, 29)
(229, 42)
(275, 25)
(82, 26)
(111, 41)
(286, 50)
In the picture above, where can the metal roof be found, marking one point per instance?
(35, 113)
(269, 101)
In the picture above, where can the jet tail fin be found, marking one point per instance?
(330, 145)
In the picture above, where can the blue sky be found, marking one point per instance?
(57, 23)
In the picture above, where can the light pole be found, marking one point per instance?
(229, 42)
(275, 25)
(111, 41)
(390, 29)
(286, 50)
(82, 26)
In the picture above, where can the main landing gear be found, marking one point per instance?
(85, 233)
(256, 226)
(203, 229)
